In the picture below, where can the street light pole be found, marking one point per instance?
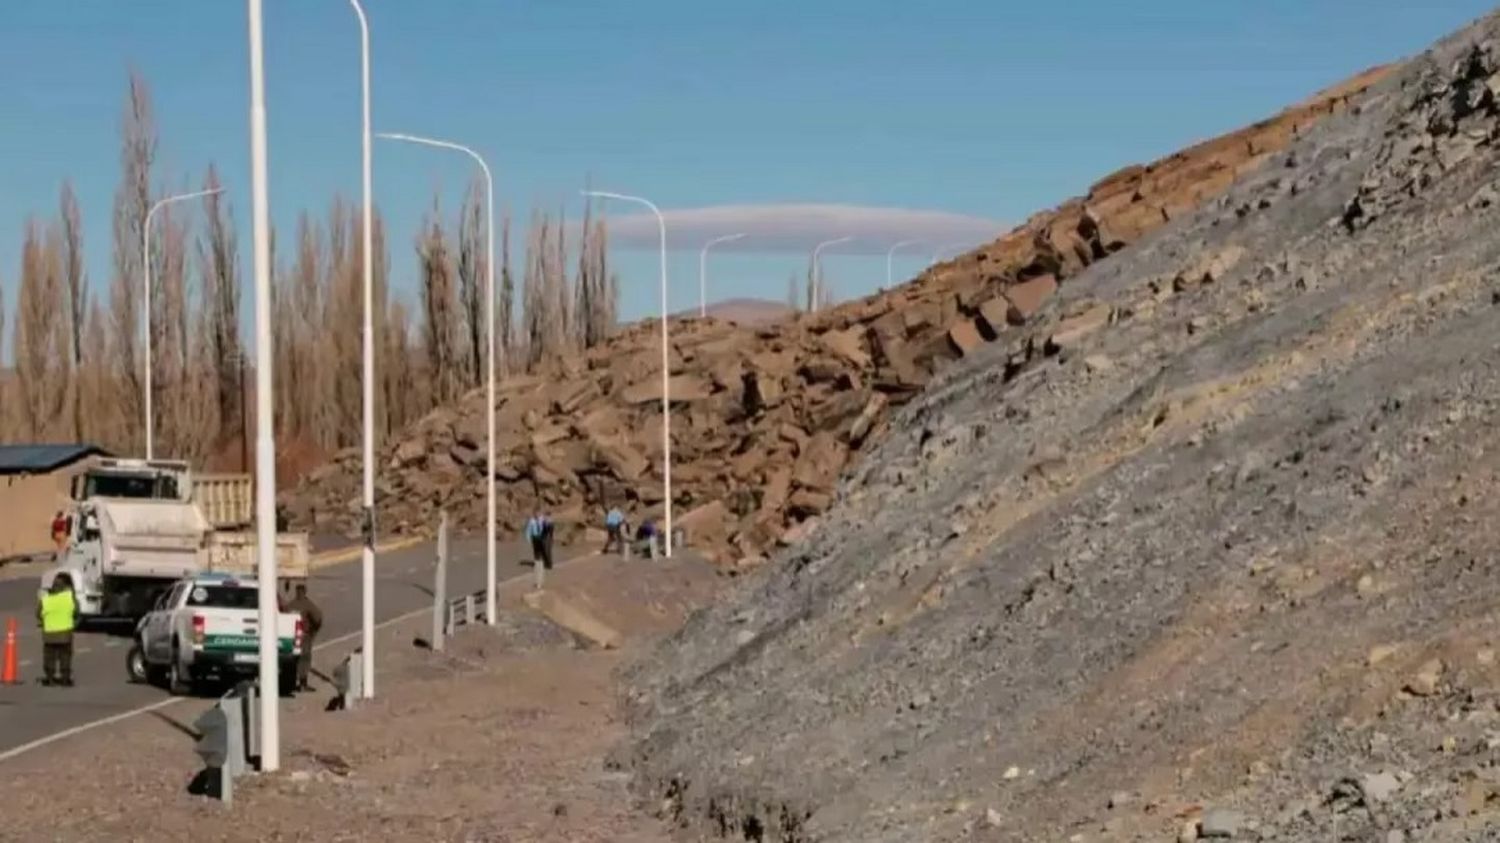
(367, 553)
(146, 267)
(938, 252)
(265, 441)
(817, 268)
(890, 257)
(489, 297)
(666, 401)
(703, 270)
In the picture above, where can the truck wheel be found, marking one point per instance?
(135, 664)
(178, 683)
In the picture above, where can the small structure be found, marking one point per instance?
(35, 483)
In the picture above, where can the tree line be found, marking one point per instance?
(78, 358)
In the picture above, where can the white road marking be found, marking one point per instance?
(160, 704)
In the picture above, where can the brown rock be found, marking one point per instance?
(1073, 330)
(1427, 679)
(993, 315)
(623, 461)
(867, 418)
(777, 488)
(818, 467)
(681, 388)
(410, 451)
(822, 370)
(964, 337)
(848, 346)
(837, 412)
(806, 502)
(1027, 297)
(705, 526)
(762, 391)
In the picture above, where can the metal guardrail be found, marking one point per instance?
(465, 610)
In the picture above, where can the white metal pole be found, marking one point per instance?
(703, 270)
(938, 252)
(890, 256)
(489, 285)
(367, 553)
(146, 320)
(666, 374)
(817, 268)
(265, 441)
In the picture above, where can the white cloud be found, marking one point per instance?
(799, 227)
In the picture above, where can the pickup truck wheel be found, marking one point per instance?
(178, 684)
(135, 664)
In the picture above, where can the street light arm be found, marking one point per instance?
(441, 144)
(890, 256)
(817, 271)
(703, 270)
(146, 316)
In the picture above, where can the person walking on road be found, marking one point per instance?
(539, 532)
(57, 614)
(312, 621)
(614, 525)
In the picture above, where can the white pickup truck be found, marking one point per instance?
(207, 627)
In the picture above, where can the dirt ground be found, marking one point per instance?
(502, 737)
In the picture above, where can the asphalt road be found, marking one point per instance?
(29, 711)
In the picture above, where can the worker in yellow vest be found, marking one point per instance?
(57, 613)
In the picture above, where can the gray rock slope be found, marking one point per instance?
(1223, 564)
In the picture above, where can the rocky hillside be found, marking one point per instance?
(1201, 547)
(767, 419)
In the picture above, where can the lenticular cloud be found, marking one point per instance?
(798, 227)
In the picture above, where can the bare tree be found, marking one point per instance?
(41, 338)
(219, 269)
(398, 380)
(133, 200)
(440, 317)
(504, 309)
(593, 309)
(536, 305)
(75, 287)
(559, 290)
(471, 279)
(174, 382)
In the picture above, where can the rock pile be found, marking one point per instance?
(1201, 551)
(765, 420)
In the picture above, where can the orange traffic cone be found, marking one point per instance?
(8, 673)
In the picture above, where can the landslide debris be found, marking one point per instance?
(767, 419)
(1201, 546)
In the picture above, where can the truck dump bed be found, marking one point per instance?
(151, 538)
(227, 500)
(235, 553)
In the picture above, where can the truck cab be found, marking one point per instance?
(133, 530)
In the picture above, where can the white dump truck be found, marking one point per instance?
(135, 527)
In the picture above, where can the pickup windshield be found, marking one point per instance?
(223, 597)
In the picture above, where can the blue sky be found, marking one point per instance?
(989, 109)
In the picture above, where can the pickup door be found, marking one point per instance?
(157, 626)
(231, 623)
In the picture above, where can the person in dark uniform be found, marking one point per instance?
(57, 614)
(312, 621)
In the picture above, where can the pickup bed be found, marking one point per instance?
(206, 627)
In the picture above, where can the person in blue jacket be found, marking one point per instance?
(539, 532)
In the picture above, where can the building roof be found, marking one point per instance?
(40, 459)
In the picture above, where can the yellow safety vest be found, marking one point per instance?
(57, 611)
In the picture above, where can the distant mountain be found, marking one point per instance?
(750, 311)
